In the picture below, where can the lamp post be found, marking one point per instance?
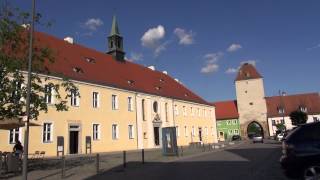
(26, 134)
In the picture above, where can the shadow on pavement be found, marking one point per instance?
(253, 163)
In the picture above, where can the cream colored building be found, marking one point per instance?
(122, 105)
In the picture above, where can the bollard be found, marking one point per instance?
(142, 153)
(181, 150)
(63, 167)
(98, 163)
(124, 159)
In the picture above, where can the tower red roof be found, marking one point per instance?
(247, 71)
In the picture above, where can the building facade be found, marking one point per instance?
(254, 109)
(122, 105)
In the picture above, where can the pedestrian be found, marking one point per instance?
(18, 149)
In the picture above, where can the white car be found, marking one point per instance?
(257, 138)
(280, 136)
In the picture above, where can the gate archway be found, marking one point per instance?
(254, 128)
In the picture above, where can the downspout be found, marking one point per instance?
(136, 108)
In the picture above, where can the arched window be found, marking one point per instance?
(142, 109)
(155, 106)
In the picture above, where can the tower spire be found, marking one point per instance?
(115, 42)
(114, 27)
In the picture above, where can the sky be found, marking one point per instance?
(201, 43)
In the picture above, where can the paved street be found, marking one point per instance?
(246, 161)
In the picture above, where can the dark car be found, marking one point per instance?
(236, 138)
(301, 152)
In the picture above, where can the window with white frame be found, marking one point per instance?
(47, 132)
(177, 131)
(236, 131)
(315, 119)
(280, 110)
(130, 131)
(230, 131)
(273, 122)
(114, 101)
(75, 100)
(235, 121)
(176, 110)
(185, 131)
(48, 94)
(115, 132)
(96, 131)
(130, 104)
(95, 99)
(191, 111)
(303, 109)
(14, 134)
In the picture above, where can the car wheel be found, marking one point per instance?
(312, 172)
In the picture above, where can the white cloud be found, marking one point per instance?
(211, 65)
(152, 39)
(314, 47)
(209, 68)
(213, 57)
(93, 23)
(234, 47)
(136, 56)
(185, 38)
(232, 70)
(235, 70)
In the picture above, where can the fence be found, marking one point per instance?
(81, 166)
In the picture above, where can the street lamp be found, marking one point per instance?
(26, 134)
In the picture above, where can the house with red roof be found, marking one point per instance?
(257, 113)
(122, 105)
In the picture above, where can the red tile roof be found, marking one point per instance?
(104, 70)
(247, 71)
(293, 102)
(226, 110)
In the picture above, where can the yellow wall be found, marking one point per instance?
(85, 116)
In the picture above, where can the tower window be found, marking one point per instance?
(251, 103)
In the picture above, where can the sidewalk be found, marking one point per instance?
(85, 166)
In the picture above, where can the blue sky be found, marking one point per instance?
(202, 43)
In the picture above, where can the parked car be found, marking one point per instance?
(301, 152)
(257, 138)
(280, 136)
(236, 138)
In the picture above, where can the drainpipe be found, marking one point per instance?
(136, 109)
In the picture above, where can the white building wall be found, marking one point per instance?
(287, 122)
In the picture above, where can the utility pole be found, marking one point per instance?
(26, 134)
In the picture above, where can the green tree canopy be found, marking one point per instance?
(298, 117)
(14, 38)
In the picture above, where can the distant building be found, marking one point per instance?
(255, 111)
(122, 105)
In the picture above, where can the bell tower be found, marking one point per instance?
(115, 42)
(251, 101)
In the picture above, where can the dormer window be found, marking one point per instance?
(186, 95)
(247, 74)
(280, 110)
(303, 109)
(158, 88)
(130, 82)
(90, 60)
(77, 70)
(161, 80)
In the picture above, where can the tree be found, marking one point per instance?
(298, 117)
(280, 128)
(14, 46)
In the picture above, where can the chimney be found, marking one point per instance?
(152, 68)
(68, 39)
